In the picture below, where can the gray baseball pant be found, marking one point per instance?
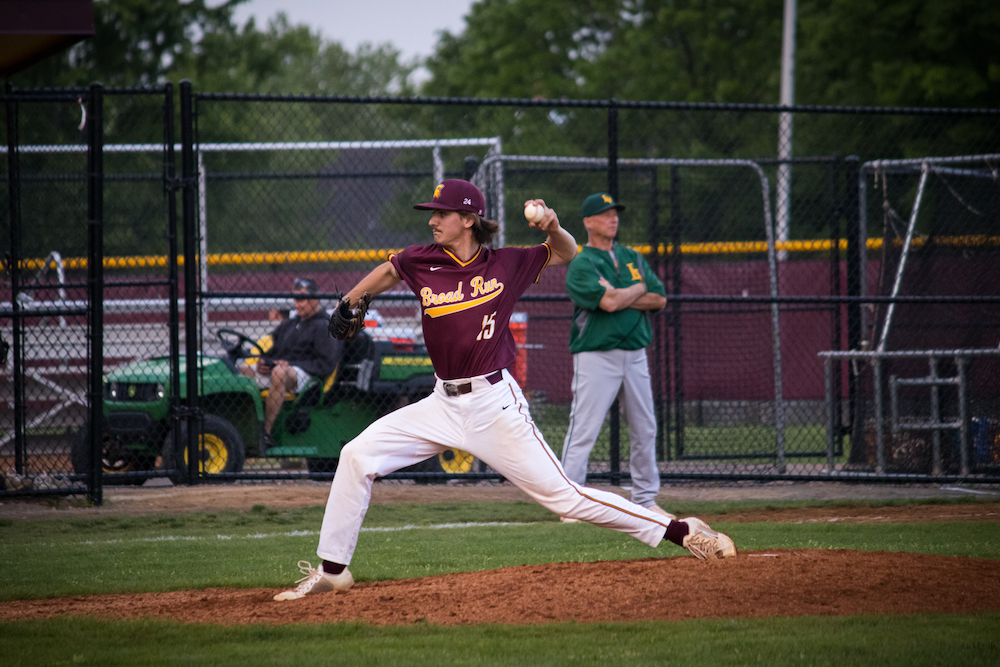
(597, 378)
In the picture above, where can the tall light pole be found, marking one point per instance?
(784, 184)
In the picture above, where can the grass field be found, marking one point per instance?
(751, 443)
(259, 548)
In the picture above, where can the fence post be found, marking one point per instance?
(660, 357)
(170, 177)
(836, 211)
(614, 445)
(676, 223)
(95, 288)
(852, 231)
(190, 221)
(14, 266)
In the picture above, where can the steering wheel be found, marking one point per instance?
(237, 345)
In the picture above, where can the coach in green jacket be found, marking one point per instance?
(613, 289)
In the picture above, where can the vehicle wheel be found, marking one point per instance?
(451, 461)
(116, 458)
(320, 466)
(222, 450)
(455, 461)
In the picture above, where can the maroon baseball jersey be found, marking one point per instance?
(466, 306)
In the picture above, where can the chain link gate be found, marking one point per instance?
(36, 395)
(81, 279)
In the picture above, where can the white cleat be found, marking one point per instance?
(659, 510)
(316, 581)
(706, 543)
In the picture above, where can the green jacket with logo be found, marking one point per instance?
(594, 329)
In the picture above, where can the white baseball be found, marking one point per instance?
(534, 212)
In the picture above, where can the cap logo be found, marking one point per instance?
(437, 191)
(607, 199)
(467, 201)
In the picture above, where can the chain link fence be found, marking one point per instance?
(85, 182)
(791, 283)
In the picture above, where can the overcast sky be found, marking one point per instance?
(410, 25)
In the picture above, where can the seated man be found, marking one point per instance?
(302, 348)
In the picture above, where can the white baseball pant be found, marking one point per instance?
(597, 377)
(492, 423)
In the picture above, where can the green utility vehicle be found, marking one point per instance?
(373, 378)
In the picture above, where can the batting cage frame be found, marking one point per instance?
(896, 434)
(763, 369)
(667, 250)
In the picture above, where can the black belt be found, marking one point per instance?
(458, 388)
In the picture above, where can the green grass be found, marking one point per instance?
(836, 641)
(702, 441)
(712, 441)
(78, 556)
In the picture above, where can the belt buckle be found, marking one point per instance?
(457, 388)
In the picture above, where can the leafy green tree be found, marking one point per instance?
(852, 52)
(936, 53)
(149, 42)
(694, 50)
(135, 42)
(286, 59)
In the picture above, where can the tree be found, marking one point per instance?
(150, 42)
(135, 43)
(694, 50)
(853, 52)
(286, 59)
(922, 53)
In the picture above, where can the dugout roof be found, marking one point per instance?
(31, 30)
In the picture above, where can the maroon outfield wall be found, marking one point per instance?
(727, 348)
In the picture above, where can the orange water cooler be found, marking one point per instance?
(519, 327)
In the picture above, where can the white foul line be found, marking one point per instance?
(957, 488)
(304, 533)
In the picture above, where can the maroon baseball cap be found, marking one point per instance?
(455, 195)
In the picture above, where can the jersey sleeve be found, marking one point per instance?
(523, 265)
(540, 259)
(653, 282)
(582, 283)
(402, 261)
(396, 259)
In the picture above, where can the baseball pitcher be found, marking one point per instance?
(467, 292)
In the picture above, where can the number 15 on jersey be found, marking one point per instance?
(488, 325)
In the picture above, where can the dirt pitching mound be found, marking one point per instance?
(753, 584)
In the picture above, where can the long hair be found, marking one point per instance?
(483, 230)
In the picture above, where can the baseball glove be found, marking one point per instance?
(345, 323)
